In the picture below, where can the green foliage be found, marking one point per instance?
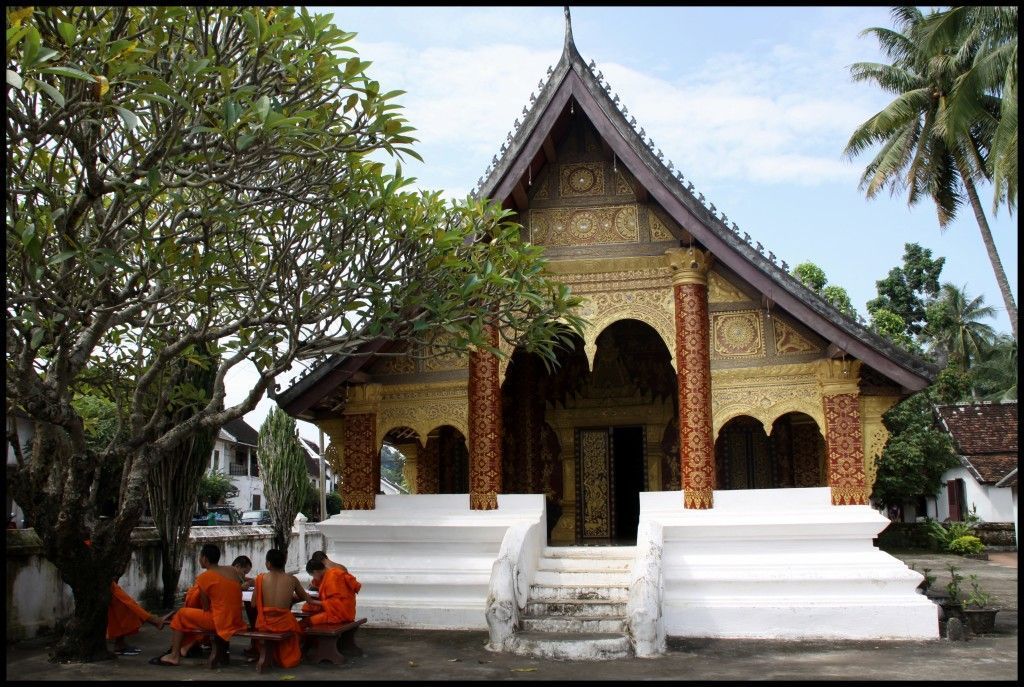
(953, 588)
(944, 535)
(333, 503)
(954, 328)
(282, 463)
(906, 290)
(100, 418)
(966, 545)
(952, 385)
(978, 598)
(392, 464)
(915, 456)
(890, 325)
(813, 277)
(994, 376)
(214, 488)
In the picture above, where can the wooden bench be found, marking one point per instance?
(332, 642)
(265, 641)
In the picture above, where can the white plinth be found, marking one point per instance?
(425, 560)
(783, 564)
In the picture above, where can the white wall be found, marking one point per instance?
(994, 504)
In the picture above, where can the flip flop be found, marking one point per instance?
(129, 651)
(158, 661)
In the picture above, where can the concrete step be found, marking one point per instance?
(571, 592)
(576, 608)
(592, 552)
(572, 646)
(593, 578)
(619, 565)
(578, 624)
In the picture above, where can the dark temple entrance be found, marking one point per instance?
(609, 478)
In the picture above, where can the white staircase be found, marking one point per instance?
(576, 607)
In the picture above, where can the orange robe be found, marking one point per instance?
(192, 599)
(225, 614)
(287, 653)
(124, 615)
(308, 608)
(338, 591)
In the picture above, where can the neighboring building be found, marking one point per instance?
(313, 467)
(985, 439)
(234, 454)
(714, 411)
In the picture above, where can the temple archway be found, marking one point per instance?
(443, 465)
(405, 441)
(746, 457)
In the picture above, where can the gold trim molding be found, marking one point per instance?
(765, 394)
(689, 265)
(424, 407)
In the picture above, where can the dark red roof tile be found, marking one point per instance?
(981, 428)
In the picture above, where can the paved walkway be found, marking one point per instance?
(446, 655)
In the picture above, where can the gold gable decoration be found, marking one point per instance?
(737, 334)
(721, 291)
(584, 226)
(581, 180)
(659, 232)
(788, 340)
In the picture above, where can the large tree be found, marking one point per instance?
(955, 330)
(813, 277)
(283, 470)
(908, 288)
(183, 177)
(921, 153)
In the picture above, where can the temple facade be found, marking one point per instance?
(705, 369)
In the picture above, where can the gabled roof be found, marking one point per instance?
(985, 437)
(572, 86)
(240, 431)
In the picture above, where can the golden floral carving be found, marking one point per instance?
(423, 407)
(766, 394)
(594, 480)
(393, 365)
(586, 179)
(788, 340)
(737, 334)
(721, 291)
(844, 443)
(653, 307)
(622, 185)
(875, 434)
(689, 265)
(360, 467)
(584, 226)
(485, 426)
(659, 232)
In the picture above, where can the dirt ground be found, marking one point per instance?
(445, 655)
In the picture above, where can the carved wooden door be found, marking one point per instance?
(594, 485)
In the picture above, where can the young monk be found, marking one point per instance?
(125, 617)
(221, 597)
(338, 589)
(243, 565)
(328, 564)
(275, 592)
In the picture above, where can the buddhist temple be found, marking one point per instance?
(704, 452)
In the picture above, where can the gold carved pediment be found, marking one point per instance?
(721, 291)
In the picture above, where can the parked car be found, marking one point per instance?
(218, 515)
(256, 517)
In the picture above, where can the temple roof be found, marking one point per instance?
(573, 86)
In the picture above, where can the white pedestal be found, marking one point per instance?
(425, 560)
(783, 564)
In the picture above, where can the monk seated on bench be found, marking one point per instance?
(274, 594)
(337, 589)
(328, 564)
(221, 597)
(125, 617)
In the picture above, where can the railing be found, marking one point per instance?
(511, 576)
(643, 611)
(236, 470)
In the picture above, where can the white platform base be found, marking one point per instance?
(425, 560)
(783, 564)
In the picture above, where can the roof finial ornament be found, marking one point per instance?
(568, 28)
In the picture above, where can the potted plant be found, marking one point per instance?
(981, 619)
(951, 605)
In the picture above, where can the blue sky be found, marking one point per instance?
(754, 105)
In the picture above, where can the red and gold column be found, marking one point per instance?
(484, 426)
(843, 433)
(354, 448)
(693, 360)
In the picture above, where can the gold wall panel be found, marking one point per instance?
(659, 232)
(875, 434)
(594, 483)
(788, 340)
(584, 226)
(721, 291)
(622, 186)
(580, 180)
(737, 334)
(766, 393)
(423, 407)
(393, 365)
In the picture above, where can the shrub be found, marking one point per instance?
(945, 535)
(977, 598)
(966, 545)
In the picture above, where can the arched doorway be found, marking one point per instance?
(399, 457)
(443, 466)
(746, 457)
(605, 423)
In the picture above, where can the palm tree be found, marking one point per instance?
(990, 33)
(953, 327)
(920, 153)
(995, 375)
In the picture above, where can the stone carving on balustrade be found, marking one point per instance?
(766, 394)
(423, 407)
